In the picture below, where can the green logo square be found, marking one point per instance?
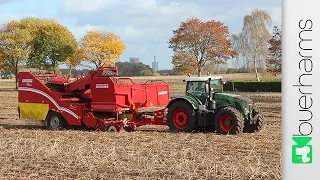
(301, 152)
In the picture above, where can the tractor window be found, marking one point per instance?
(197, 89)
(216, 85)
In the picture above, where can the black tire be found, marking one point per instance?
(228, 120)
(257, 126)
(181, 117)
(55, 121)
(129, 129)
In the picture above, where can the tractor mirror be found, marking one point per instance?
(207, 87)
(222, 81)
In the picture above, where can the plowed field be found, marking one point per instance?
(28, 151)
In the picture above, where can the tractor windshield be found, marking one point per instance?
(216, 85)
(197, 89)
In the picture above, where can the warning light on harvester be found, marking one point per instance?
(133, 106)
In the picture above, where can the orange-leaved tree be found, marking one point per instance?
(196, 43)
(274, 60)
(101, 48)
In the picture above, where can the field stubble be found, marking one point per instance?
(27, 151)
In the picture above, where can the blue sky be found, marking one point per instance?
(145, 26)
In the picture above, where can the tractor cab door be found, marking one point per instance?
(216, 85)
(197, 89)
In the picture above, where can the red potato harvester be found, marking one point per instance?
(99, 100)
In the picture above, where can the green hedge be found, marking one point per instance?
(253, 86)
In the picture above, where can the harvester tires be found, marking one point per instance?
(111, 129)
(129, 129)
(251, 128)
(55, 121)
(229, 120)
(180, 117)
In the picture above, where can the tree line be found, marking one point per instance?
(206, 45)
(44, 44)
(199, 46)
(126, 69)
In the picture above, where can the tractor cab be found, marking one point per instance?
(204, 87)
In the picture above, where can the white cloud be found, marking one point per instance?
(152, 8)
(146, 25)
(85, 6)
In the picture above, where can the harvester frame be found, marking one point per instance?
(83, 102)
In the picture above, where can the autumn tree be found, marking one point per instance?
(274, 54)
(101, 48)
(182, 63)
(75, 59)
(197, 42)
(253, 40)
(146, 72)
(14, 46)
(2, 60)
(51, 44)
(133, 69)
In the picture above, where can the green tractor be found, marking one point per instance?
(206, 107)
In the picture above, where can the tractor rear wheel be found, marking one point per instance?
(228, 120)
(251, 128)
(181, 118)
(55, 121)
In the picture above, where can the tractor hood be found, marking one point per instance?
(225, 98)
(245, 100)
(234, 96)
(248, 100)
(226, 94)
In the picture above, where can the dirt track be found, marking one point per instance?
(28, 151)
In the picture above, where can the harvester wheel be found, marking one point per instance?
(111, 129)
(180, 117)
(251, 128)
(229, 120)
(129, 128)
(55, 121)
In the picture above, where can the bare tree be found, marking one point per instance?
(234, 39)
(237, 46)
(252, 42)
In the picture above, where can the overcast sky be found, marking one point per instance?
(145, 26)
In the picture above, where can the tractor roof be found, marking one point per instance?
(202, 78)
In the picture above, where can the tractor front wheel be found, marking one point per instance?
(55, 121)
(181, 117)
(228, 120)
(255, 127)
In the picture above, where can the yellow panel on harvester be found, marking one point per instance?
(36, 111)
